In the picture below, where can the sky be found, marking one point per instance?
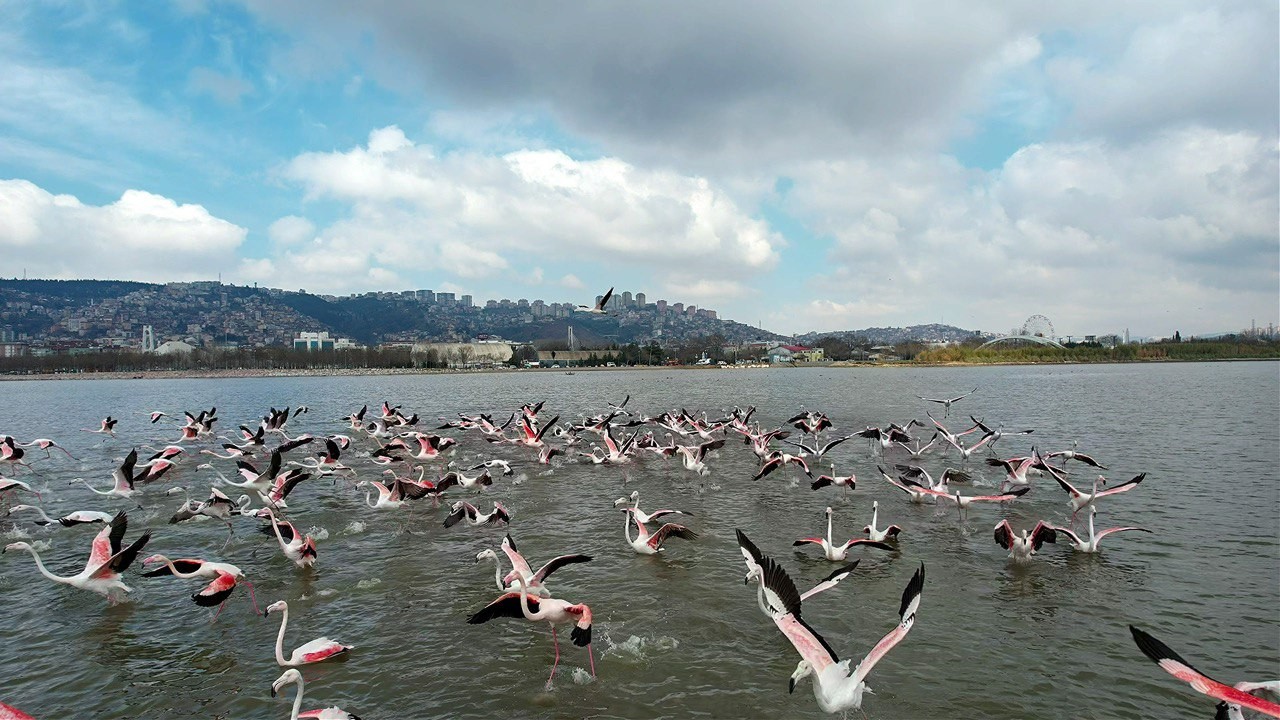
(819, 166)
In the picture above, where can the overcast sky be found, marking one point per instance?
(814, 166)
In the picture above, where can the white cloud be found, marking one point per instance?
(141, 236)
(1094, 235)
(572, 282)
(478, 216)
(290, 230)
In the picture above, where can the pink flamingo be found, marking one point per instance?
(224, 576)
(1172, 663)
(329, 713)
(107, 559)
(549, 610)
(312, 652)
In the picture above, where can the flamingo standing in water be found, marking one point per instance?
(1021, 548)
(330, 713)
(315, 651)
(549, 610)
(837, 553)
(1091, 544)
(874, 533)
(299, 548)
(107, 559)
(1172, 663)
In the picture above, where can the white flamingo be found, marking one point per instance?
(315, 651)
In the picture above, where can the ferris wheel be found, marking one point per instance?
(1038, 326)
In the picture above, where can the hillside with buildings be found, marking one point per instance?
(54, 316)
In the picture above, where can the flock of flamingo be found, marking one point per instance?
(389, 455)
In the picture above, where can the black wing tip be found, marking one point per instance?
(842, 570)
(913, 590)
(1154, 649)
(581, 636)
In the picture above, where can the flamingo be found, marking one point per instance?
(777, 459)
(299, 548)
(519, 566)
(836, 686)
(79, 517)
(946, 403)
(817, 451)
(967, 452)
(107, 559)
(646, 543)
(917, 452)
(234, 452)
(849, 481)
(224, 577)
(9, 712)
(44, 444)
(123, 478)
(388, 499)
(874, 533)
(752, 556)
(962, 501)
(1074, 454)
(810, 422)
(1021, 548)
(915, 492)
(1091, 545)
(7, 484)
(642, 517)
(597, 309)
(108, 427)
(998, 433)
(315, 651)
(549, 610)
(463, 509)
(452, 478)
(1172, 663)
(915, 472)
(694, 457)
(1079, 500)
(837, 553)
(330, 713)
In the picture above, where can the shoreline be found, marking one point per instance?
(238, 373)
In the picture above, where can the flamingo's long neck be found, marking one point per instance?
(47, 520)
(45, 572)
(524, 598)
(368, 499)
(176, 572)
(284, 620)
(875, 515)
(297, 699)
(1093, 539)
(497, 573)
(86, 484)
(828, 529)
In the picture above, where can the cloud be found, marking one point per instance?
(225, 88)
(290, 230)
(474, 215)
(141, 236)
(1092, 234)
(572, 282)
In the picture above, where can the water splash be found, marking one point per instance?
(366, 584)
(639, 649)
(354, 528)
(17, 533)
(582, 677)
(318, 533)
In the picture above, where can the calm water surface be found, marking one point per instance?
(677, 635)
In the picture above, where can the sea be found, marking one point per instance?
(678, 634)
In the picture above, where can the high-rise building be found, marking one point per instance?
(691, 311)
(627, 301)
(465, 301)
(640, 300)
(662, 307)
(445, 298)
(678, 308)
(426, 296)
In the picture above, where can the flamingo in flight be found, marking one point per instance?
(694, 457)
(752, 556)
(549, 610)
(224, 577)
(962, 501)
(463, 509)
(79, 517)
(836, 685)
(108, 427)
(7, 484)
(837, 553)
(315, 651)
(107, 559)
(646, 543)
(599, 307)
(849, 481)
(1172, 663)
(330, 713)
(1092, 543)
(1074, 454)
(1021, 548)
(947, 403)
(1080, 500)
(520, 566)
(914, 491)
(44, 444)
(777, 459)
(815, 450)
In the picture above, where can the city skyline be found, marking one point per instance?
(1106, 167)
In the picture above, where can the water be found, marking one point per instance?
(677, 635)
